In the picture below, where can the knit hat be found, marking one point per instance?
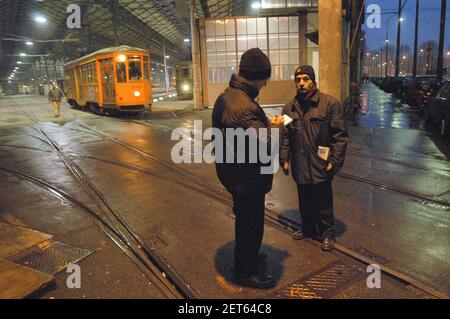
(308, 70)
(255, 65)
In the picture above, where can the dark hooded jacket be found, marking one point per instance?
(236, 108)
(318, 121)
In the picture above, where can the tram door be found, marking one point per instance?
(109, 94)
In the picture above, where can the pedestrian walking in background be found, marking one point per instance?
(55, 95)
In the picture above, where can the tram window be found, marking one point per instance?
(135, 72)
(121, 72)
(185, 73)
(146, 68)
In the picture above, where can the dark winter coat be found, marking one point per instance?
(236, 108)
(317, 122)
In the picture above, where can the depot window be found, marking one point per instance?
(135, 71)
(228, 39)
(121, 72)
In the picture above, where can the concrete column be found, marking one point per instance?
(198, 102)
(330, 47)
(303, 45)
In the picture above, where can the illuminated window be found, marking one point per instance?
(227, 39)
(121, 72)
(134, 65)
(146, 78)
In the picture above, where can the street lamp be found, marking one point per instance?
(387, 41)
(256, 5)
(40, 19)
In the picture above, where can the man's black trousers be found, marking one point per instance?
(316, 208)
(249, 231)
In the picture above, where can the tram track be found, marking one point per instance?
(367, 181)
(171, 284)
(272, 217)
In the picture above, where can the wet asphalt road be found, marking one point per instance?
(391, 197)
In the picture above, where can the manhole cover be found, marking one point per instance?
(322, 283)
(51, 259)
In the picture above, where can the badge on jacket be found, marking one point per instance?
(323, 152)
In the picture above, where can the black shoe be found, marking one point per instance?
(299, 234)
(258, 281)
(328, 243)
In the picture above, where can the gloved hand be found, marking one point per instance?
(286, 168)
(329, 167)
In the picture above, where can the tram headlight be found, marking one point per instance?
(137, 93)
(121, 58)
(185, 87)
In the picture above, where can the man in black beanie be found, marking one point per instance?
(234, 109)
(315, 144)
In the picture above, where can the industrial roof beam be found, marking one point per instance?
(126, 19)
(204, 4)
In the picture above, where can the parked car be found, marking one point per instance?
(385, 82)
(398, 84)
(438, 110)
(389, 84)
(427, 88)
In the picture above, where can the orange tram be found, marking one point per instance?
(110, 80)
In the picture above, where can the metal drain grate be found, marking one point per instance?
(52, 259)
(372, 256)
(322, 283)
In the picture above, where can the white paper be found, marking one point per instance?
(287, 120)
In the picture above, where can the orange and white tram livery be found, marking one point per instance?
(111, 79)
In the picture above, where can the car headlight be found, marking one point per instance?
(185, 87)
(137, 93)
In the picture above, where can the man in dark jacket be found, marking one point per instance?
(236, 109)
(315, 144)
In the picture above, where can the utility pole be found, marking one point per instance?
(198, 104)
(397, 54)
(440, 62)
(166, 75)
(387, 44)
(416, 33)
(115, 18)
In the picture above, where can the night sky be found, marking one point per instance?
(429, 18)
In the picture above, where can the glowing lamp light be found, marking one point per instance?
(137, 93)
(256, 5)
(22, 54)
(40, 19)
(29, 43)
(185, 87)
(121, 58)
